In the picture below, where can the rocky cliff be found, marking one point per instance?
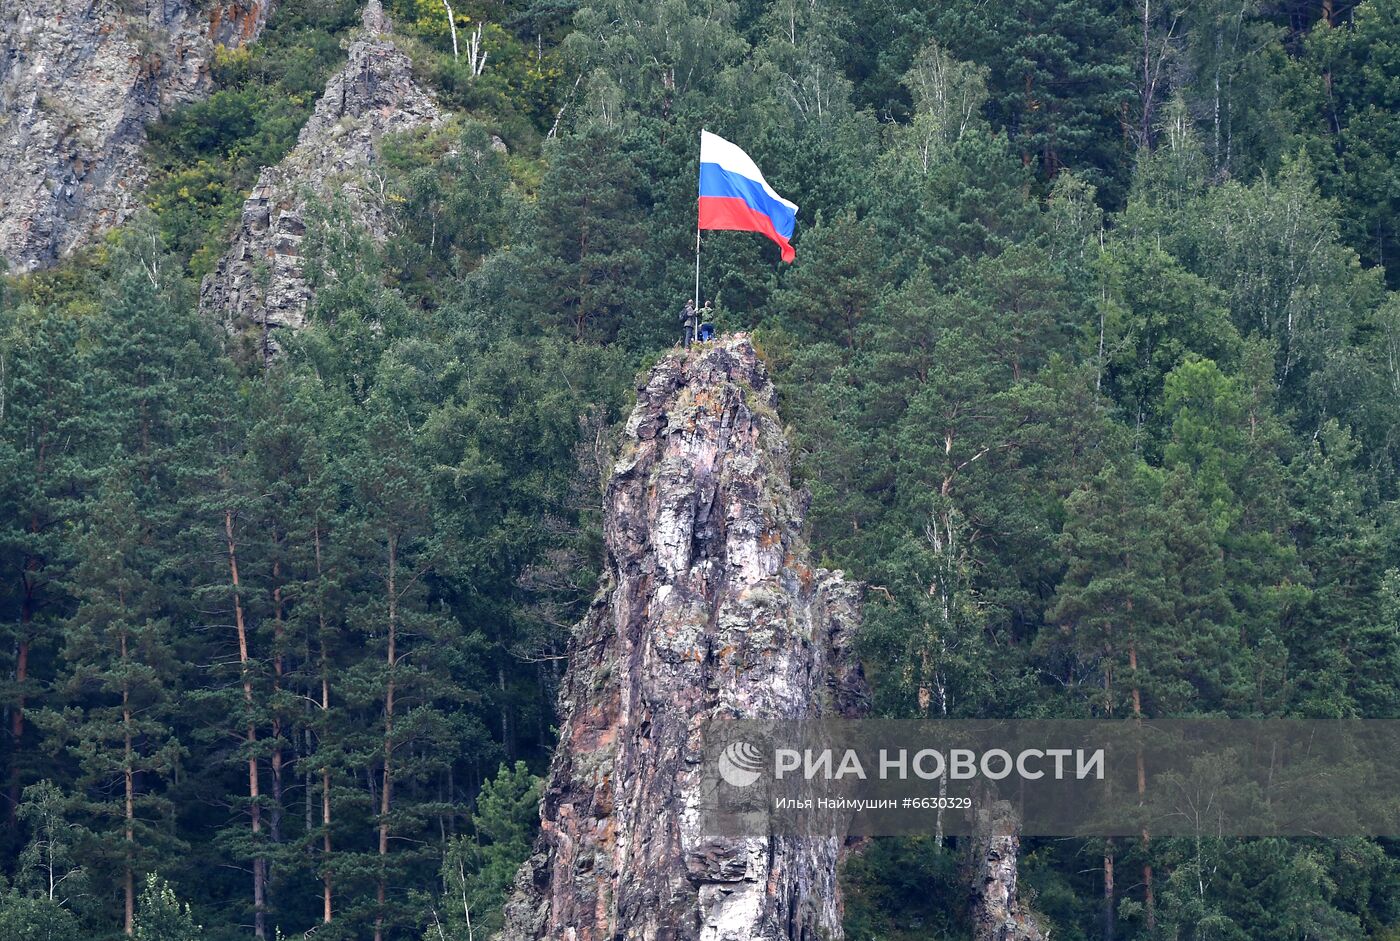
(710, 610)
(79, 82)
(259, 284)
(998, 912)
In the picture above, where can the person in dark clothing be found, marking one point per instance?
(688, 322)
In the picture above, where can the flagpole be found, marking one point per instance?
(697, 238)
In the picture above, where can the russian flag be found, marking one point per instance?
(734, 195)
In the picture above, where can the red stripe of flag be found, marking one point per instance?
(735, 215)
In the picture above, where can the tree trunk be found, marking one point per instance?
(387, 781)
(17, 717)
(26, 622)
(128, 775)
(275, 823)
(306, 747)
(452, 25)
(325, 715)
(1109, 914)
(326, 845)
(251, 737)
(507, 739)
(1148, 898)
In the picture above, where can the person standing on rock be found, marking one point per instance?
(689, 320)
(706, 331)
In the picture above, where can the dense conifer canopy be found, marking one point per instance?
(1090, 358)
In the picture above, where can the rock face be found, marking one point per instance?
(79, 82)
(260, 284)
(998, 914)
(709, 610)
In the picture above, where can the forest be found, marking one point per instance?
(1090, 359)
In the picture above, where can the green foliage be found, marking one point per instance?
(1154, 315)
(32, 918)
(832, 295)
(894, 889)
(519, 84)
(1058, 77)
(207, 154)
(456, 206)
(1353, 69)
(1097, 391)
(49, 864)
(479, 870)
(591, 238)
(161, 916)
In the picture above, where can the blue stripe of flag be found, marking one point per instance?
(717, 181)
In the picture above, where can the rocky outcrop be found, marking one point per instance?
(710, 611)
(260, 284)
(998, 913)
(79, 82)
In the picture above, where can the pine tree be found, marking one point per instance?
(118, 652)
(45, 426)
(589, 238)
(479, 870)
(414, 656)
(1225, 438)
(1344, 656)
(298, 515)
(1353, 68)
(1059, 76)
(1112, 603)
(221, 538)
(1155, 313)
(838, 283)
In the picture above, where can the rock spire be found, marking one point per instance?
(260, 284)
(710, 609)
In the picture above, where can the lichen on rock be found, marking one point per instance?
(998, 911)
(260, 283)
(710, 610)
(79, 82)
